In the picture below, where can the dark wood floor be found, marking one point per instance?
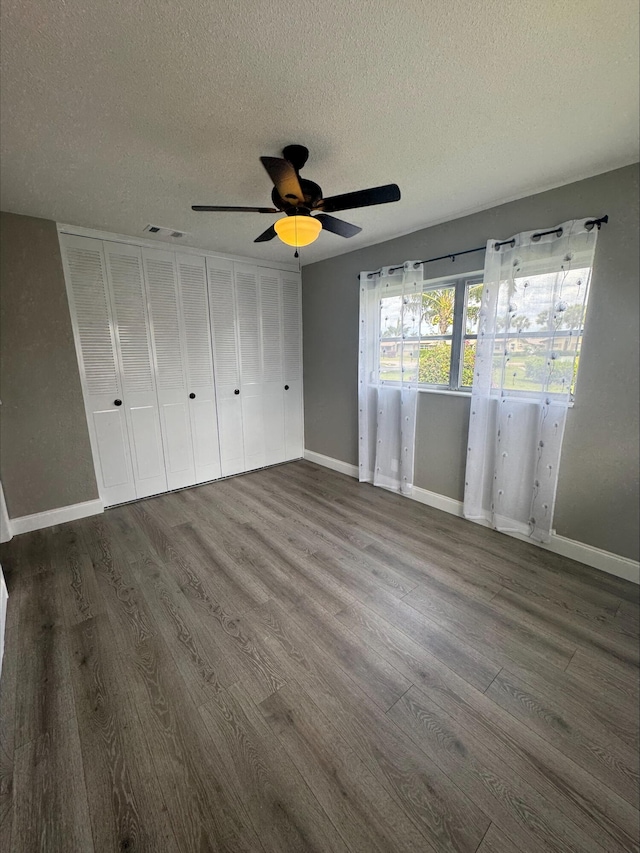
(289, 660)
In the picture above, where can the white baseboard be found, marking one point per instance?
(606, 561)
(6, 531)
(437, 501)
(60, 515)
(330, 462)
(4, 600)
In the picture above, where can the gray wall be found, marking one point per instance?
(598, 484)
(45, 456)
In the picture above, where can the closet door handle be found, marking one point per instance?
(237, 391)
(286, 387)
(117, 402)
(192, 396)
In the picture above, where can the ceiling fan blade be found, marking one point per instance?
(216, 209)
(285, 179)
(269, 234)
(337, 226)
(361, 198)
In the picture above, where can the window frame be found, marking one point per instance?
(459, 283)
(458, 335)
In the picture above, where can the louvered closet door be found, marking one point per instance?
(171, 386)
(292, 347)
(124, 270)
(192, 276)
(251, 373)
(273, 381)
(225, 364)
(86, 278)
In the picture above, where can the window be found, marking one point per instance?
(431, 339)
(422, 340)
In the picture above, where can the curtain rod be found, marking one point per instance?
(589, 224)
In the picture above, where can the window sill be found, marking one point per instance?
(449, 393)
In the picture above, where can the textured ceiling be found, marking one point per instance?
(116, 114)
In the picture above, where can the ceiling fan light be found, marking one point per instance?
(298, 230)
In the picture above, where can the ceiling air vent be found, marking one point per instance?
(165, 233)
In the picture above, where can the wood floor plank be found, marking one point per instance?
(203, 664)
(602, 815)
(337, 538)
(571, 627)
(606, 675)
(532, 821)
(619, 717)
(627, 619)
(575, 734)
(461, 657)
(447, 819)
(44, 699)
(363, 812)
(285, 814)
(376, 678)
(496, 842)
(126, 808)
(523, 563)
(482, 625)
(122, 600)
(273, 564)
(411, 548)
(205, 814)
(51, 813)
(292, 660)
(80, 596)
(259, 672)
(8, 690)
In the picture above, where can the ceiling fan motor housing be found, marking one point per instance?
(312, 195)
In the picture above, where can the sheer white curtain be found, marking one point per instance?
(390, 314)
(531, 317)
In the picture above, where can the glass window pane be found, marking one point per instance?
(468, 363)
(526, 307)
(534, 363)
(437, 311)
(391, 317)
(390, 362)
(435, 363)
(399, 316)
(473, 298)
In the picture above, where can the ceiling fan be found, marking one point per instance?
(306, 211)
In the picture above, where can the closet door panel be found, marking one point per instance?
(230, 425)
(204, 429)
(293, 420)
(251, 371)
(177, 449)
(292, 360)
(273, 389)
(125, 274)
(147, 440)
(93, 328)
(192, 278)
(226, 365)
(114, 465)
(166, 333)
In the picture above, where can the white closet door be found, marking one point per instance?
(273, 382)
(292, 346)
(124, 271)
(192, 277)
(171, 386)
(225, 364)
(252, 391)
(92, 322)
